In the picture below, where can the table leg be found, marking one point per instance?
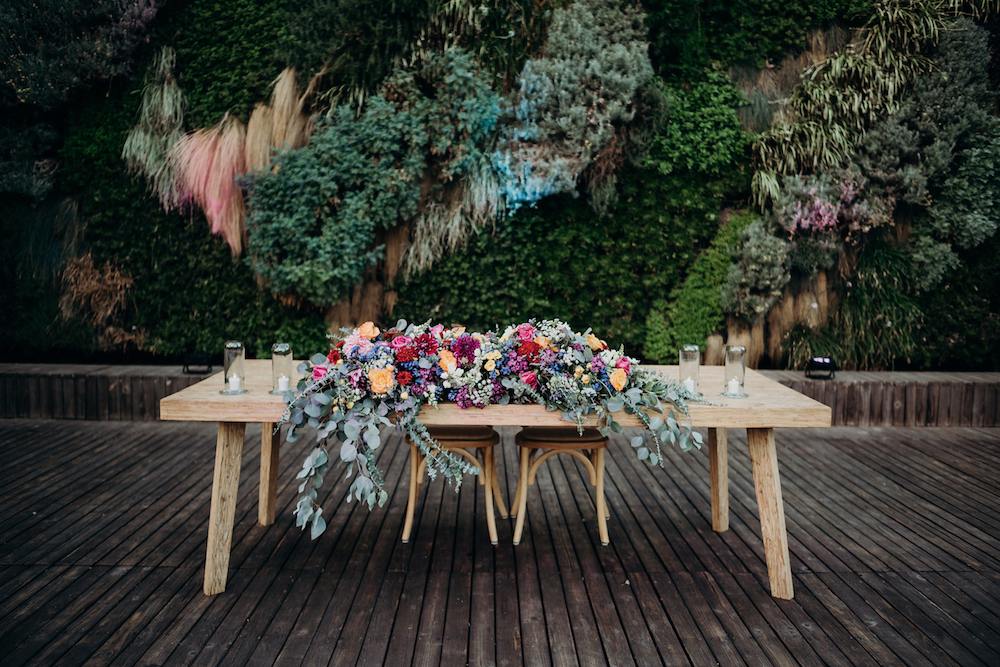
(767, 483)
(270, 446)
(225, 486)
(718, 471)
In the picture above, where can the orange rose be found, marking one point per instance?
(381, 380)
(594, 343)
(543, 341)
(618, 379)
(368, 330)
(448, 362)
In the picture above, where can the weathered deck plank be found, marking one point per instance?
(893, 535)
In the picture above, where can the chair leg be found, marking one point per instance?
(487, 472)
(495, 485)
(522, 496)
(411, 502)
(602, 504)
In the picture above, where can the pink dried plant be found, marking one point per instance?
(208, 162)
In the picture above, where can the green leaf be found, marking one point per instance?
(318, 526)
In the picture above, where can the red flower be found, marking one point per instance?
(334, 356)
(406, 354)
(426, 344)
(404, 378)
(339, 344)
(529, 350)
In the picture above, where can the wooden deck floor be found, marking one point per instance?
(894, 537)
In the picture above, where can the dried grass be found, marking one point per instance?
(284, 124)
(100, 295)
(766, 88)
(208, 162)
(465, 208)
(161, 117)
(258, 141)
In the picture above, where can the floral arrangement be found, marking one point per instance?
(373, 378)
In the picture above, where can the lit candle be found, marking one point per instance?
(689, 385)
(734, 386)
(234, 383)
(282, 383)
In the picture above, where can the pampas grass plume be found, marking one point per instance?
(208, 161)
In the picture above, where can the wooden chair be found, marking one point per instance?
(588, 447)
(459, 440)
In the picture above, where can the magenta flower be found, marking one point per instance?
(624, 364)
(526, 332)
(530, 379)
(464, 348)
(399, 342)
(319, 372)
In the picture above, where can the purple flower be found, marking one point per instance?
(464, 348)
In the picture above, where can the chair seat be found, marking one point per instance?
(561, 437)
(461, 432)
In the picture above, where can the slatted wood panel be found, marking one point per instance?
(903, 399)
(92, 392)
(893, 535)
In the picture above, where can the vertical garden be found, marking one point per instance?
(805, 177)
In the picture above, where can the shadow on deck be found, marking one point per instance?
(894, 537)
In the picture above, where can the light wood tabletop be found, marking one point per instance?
(768, 405)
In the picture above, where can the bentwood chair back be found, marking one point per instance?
(460, 440)
(536, 444)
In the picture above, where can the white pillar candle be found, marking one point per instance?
(234, 383)
(734, 386)
(689, 385)
(282, 383)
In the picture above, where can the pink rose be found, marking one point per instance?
(624, 364)
(526, 332)
(319, 372)
(530, 379)
(399, 342)
(355, 340)
(436, 330)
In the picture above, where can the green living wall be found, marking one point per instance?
(635, 250)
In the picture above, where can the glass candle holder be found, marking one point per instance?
(234, 368)
(281, 368)
(690, 362)
(735, 373)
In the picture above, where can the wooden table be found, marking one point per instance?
(770, 405)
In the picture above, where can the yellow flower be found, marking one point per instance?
(368, 330)
(448, 362)
(381, 380)
(490, 365)
(594, 343)
(585, 379)
(618, 379)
